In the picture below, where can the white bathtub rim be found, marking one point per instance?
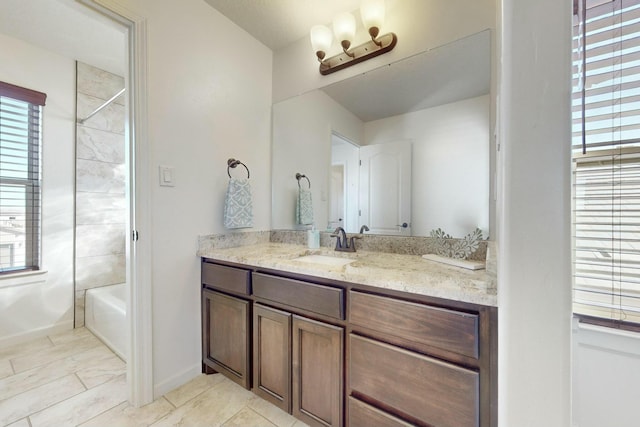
(114, 307)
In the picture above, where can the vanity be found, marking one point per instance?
(364, 339)
(380, 337)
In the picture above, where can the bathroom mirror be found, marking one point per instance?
(403, 148)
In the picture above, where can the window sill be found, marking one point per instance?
(9, 280)
(608, 323)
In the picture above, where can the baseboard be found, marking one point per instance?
(176, 380)
(36, 333)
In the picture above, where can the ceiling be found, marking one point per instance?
(67, 28)
(278, 23)
(450, 73)
(446, 74)
(453, 72)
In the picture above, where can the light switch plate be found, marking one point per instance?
(167, 176)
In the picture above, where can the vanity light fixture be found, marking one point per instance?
(344, 27)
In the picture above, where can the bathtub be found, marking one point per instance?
(106, 316)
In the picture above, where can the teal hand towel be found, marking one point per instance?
(238, 211)
(304, 207)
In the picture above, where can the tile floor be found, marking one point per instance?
(72, 379)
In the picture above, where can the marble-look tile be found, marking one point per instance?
(100, 208)
(100, 177)
(102, 270)
(70, 336)
(95, 240)
(111, 118)
(188, 391)
(97, 144)
(22, 349)
(84, 361)
(5, 368)
(299, 423)
(109, 368)
(211, 408)
(55, 353)
(99, 83)
(248, 417)
(124, 415)
(78, 321)
(20, 423)
(84, 406)
(36, 399)
(271, 412)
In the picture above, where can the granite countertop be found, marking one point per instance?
(408, 273)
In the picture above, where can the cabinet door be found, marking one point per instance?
(272, 355)
(317, 372)
(225, 329)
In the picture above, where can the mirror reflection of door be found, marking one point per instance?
(336, 206)
(345, 157)
(385, 193)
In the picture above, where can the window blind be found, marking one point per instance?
(20, 177)
(606, 159)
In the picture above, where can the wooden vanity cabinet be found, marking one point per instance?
(272, 355)
(226, 323)
(298, 361)
(317, 372)
(417, 363)
(334, 353)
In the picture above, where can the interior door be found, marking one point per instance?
(385, 188)
(336, 205)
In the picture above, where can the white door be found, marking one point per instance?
(385, 188)
(336, 205)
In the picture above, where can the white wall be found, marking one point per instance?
(302, 129)
(605, 376)
(534, 275)
(209, 96)
(37, 305)
(450, 164)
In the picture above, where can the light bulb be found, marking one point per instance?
(321, 38)
(344, 27)
(372, 13)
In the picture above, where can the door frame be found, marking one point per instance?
(139, 302)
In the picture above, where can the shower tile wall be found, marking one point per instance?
(100, 184)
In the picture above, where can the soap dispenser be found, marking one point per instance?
(313, 238)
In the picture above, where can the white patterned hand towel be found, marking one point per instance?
(304, 207)
(238, 212)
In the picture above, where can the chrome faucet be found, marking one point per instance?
(363, 229)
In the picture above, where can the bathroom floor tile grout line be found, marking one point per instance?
(93, 377)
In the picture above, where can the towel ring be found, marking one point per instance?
(299, 176)
(232, 163)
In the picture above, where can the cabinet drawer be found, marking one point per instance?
(319, 299)
(361, 414)
(228, 278)
(417, 323)
(427, 389)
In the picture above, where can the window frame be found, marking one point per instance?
(600, 67)
(32, 184)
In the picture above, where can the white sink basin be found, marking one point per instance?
(327, 260)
